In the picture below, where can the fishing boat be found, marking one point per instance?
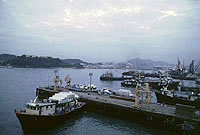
(154, 84)
(108, 76)
(49, 112)
(166, 96)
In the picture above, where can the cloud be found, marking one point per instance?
(166, 14)
(102, 22)
(96, 13)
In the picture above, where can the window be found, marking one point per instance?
(27, 106)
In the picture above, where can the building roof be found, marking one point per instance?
(39, 104)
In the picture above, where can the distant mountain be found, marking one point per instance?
(5, 57)
(148, 62)
(73, 61)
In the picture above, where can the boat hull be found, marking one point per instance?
(153, 85)
(112, 78)
(39, 122)
(175, 100)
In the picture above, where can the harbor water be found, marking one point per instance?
(18, 85)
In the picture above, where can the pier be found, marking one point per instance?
(180, 119)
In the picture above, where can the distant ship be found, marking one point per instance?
(168, 97)
(154, 84)
(108, 76)
(49, 112)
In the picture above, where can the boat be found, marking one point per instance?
(166, 96)
(108, 76)
(198, 81)
(154, 84)
(46, 113)
(135, 74)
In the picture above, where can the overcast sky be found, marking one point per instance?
(102, 30)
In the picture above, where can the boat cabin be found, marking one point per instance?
(57, 104)
(41, 108)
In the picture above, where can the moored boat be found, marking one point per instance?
(49, 112)
(154, 84)
(169, 97)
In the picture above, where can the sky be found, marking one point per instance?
(102, 30)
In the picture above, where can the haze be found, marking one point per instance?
(101, 30)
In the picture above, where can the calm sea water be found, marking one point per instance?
(17, 86)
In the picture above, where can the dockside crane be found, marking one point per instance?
(193, 68)
(142, 90)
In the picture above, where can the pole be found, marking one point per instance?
(90, 74)
(90, 82)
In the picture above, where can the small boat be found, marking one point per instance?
(169, 97)
(49, 112)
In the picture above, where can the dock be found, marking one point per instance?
(179, 119)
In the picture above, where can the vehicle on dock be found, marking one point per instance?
(84, 88)
(170, 97)
(105, 91)
(124, 93)
(49, 112)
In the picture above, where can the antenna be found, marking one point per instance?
(48, 80)
(55, 71)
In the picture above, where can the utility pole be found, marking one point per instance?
(90, 74)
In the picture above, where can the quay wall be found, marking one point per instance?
(168, 122)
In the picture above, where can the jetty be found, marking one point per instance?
(180, 119)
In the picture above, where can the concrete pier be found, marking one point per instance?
(156, 115)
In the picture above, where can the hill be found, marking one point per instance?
(73, 61)
(5, 57)
(148, 62)
(36, 62)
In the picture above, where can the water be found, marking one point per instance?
(17, 86)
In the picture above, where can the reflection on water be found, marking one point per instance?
(90, 123)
